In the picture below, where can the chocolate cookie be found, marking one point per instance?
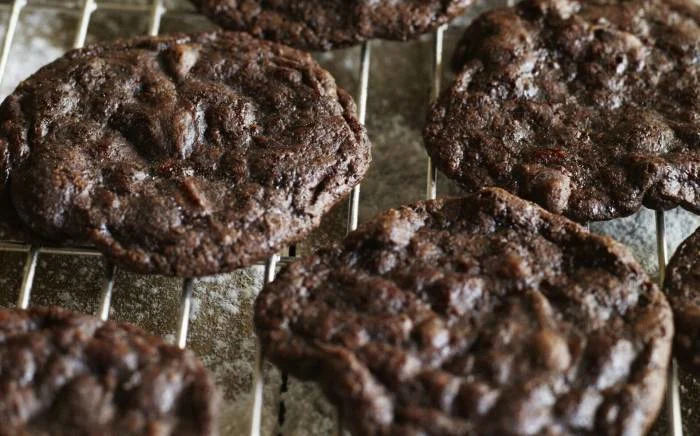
(683, 287)
(589, 108)
(327, 24)
(481, 315)
(181, 155)
(68, 374)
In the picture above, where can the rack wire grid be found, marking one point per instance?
(155, 12)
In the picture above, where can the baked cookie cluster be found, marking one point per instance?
(193, 155)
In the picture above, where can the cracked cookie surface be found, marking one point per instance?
(68, 374)
(589, 108)
(682, 283)
(327, 24)
(180, 155)
(481, 315)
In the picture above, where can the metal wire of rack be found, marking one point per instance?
(156, 11)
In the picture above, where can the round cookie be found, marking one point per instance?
(589, 108)
(328, 24)
(481, 315)
(181, 155)
(67, 374)
(682, 284)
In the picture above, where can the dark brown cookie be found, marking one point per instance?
(68, 374)
(482, 315)
(683, 287)
(328, 24)
(590, 108)
(185, 155)
(10, 225)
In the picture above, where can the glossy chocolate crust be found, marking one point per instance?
(481, 315)
(590, 108)
(328, 24)
(683, 287)
(67, 374)
(180, 155)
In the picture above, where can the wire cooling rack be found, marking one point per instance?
(155, 12)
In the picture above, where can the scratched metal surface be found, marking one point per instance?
(221, 330)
